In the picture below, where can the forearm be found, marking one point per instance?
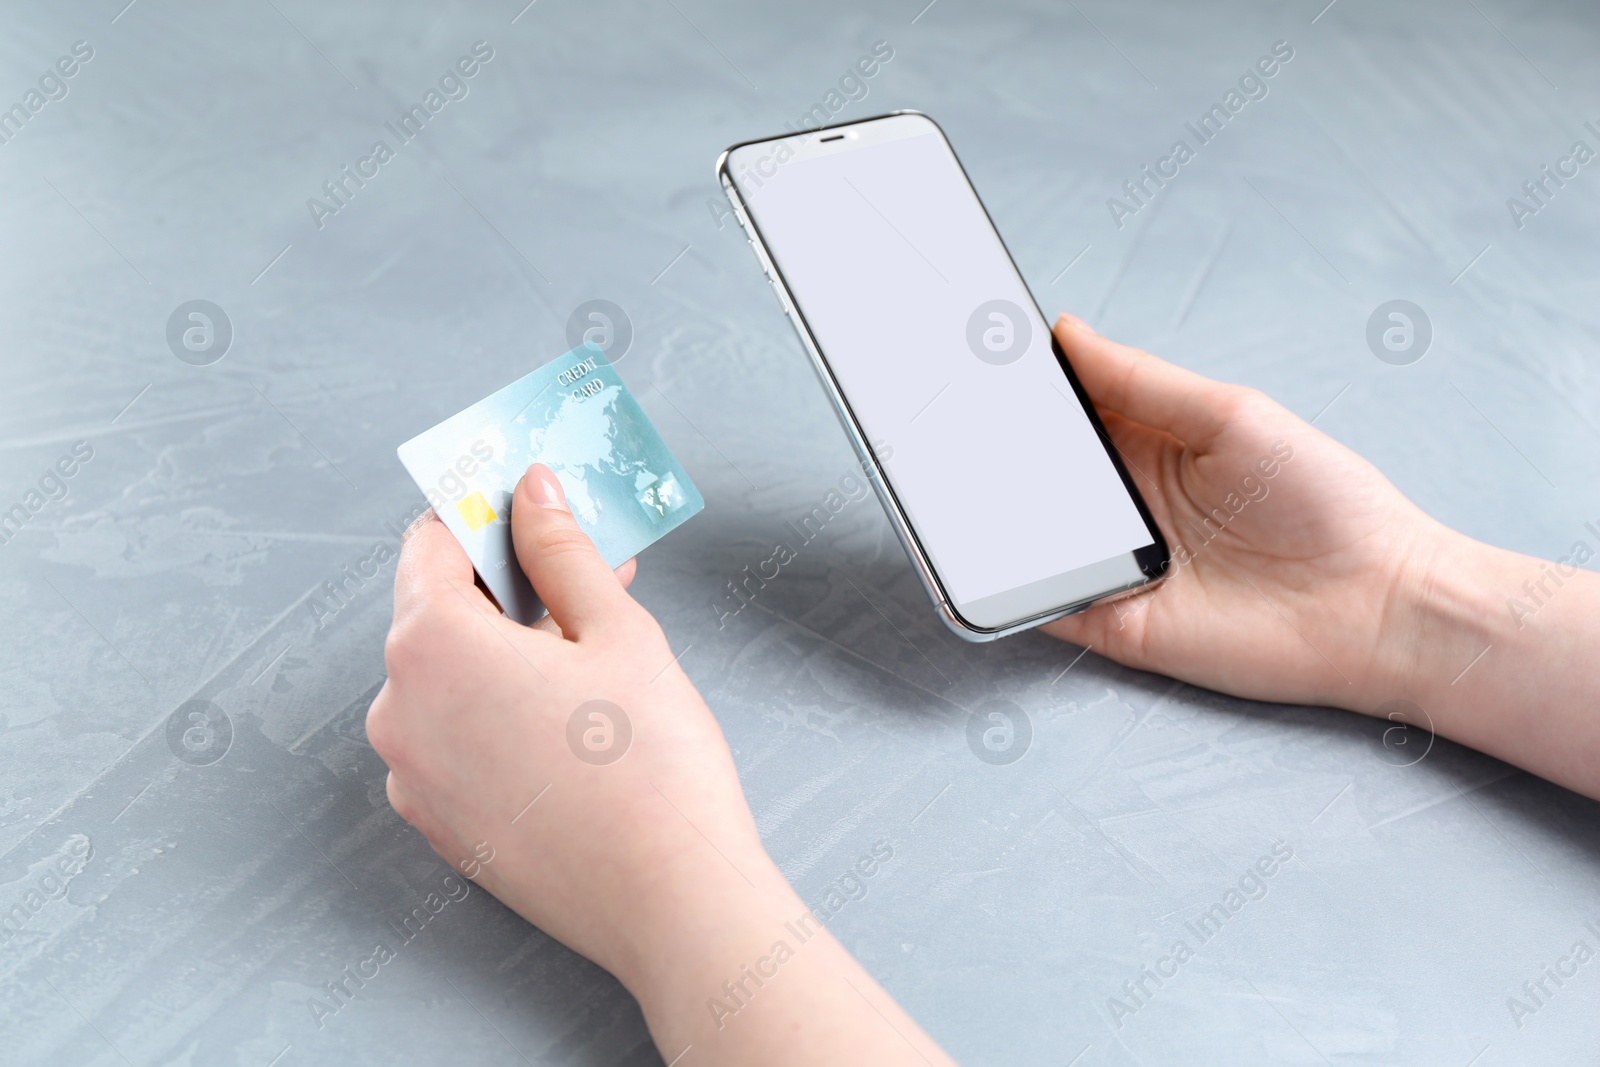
(736, 974)
(1503, 653)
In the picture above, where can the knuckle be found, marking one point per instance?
(405, 646)
(562, 540)
(1243, 404)
(400, 800)
(382, 731)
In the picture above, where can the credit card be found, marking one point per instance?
(574, 415)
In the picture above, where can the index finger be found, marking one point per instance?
(433, 564)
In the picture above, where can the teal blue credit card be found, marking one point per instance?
(576, 416)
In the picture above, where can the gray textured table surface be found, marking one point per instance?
(219, 899)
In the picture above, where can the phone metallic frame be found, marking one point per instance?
(1155, 566)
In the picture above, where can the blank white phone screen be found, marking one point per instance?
(942, 355)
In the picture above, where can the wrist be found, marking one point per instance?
(710, 949)
(1500, 657)
(699, 914)
(1448, 609)
(750, 975)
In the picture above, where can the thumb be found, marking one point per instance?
(1143, 388)
(566, 570)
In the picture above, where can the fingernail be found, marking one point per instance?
(543, 489)
(1076, 323)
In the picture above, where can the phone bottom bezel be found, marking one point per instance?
(1152, 561)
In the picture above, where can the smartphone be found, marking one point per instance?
(982, 446)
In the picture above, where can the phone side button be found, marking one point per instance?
(777, 292)
(783, 299)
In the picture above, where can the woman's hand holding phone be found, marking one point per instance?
(1320, 583)
(1288, 548)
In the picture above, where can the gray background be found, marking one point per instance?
(183, 561)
